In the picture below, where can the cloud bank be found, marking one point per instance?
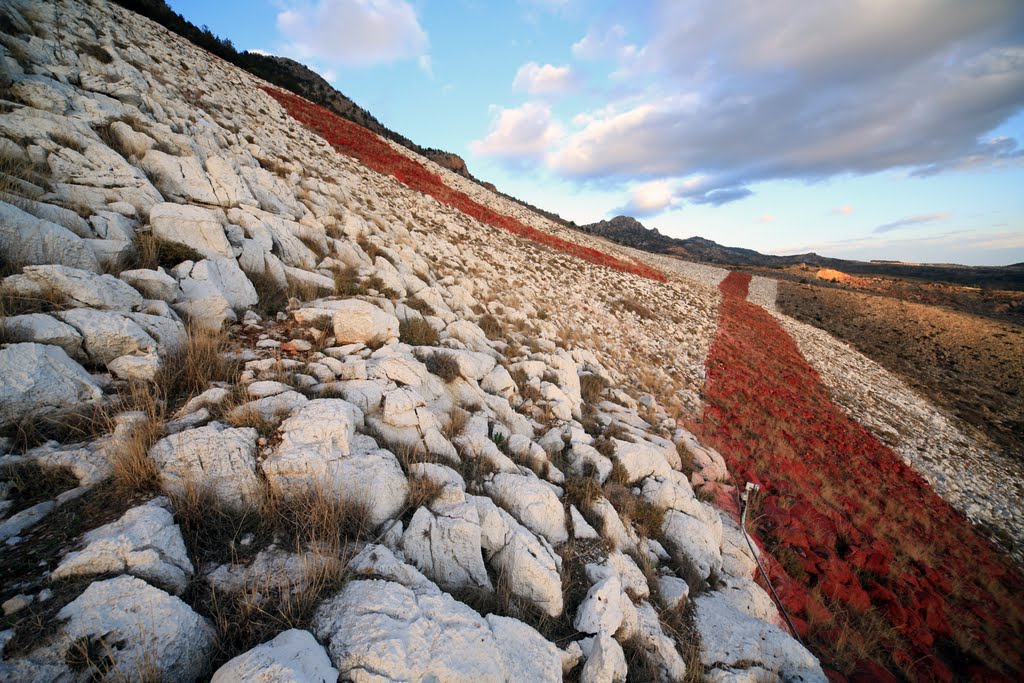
(353, 32)
(741, 92)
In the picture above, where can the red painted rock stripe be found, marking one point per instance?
(881, 574)
(371, 150)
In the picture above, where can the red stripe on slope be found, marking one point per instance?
(883, 576)
(371, 150)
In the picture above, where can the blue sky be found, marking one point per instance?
(858, 130)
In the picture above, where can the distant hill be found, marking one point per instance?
(630, 232)
(290, 75)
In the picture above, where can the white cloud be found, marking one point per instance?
(543, 80)
(353, 32)
(426, 66)
(744, 92)
(972, 247)
(257, 51)
(648, 199)
(910, 221)
(610, 43)
(519, 135)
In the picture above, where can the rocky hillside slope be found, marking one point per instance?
(278, 395)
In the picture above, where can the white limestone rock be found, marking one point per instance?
(606, 662)
(633, 581)
(606, 609)
(41, 379)
(153, 284)
(358, 321)
(191, 226)
(316, 455)
(273, 569)
(378, 561)
(640, 460)
(380, 630)
(42, 329)
(216, 458)
(138, 367)
(581, 530)
(214, 277)
(532, 502)
(142, 629)
(732, 639)
(444, 543)
(179, 178)
(529, 563)
(108, 334)
(293, 656)
(77, 287)
(658, 648)
(693, 541)
(27, 239)
(672, 592)
(145, 542)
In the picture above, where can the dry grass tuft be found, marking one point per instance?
(635, 307)
(319, 519)
(591, 388)
(272, 296)
(36, 428)
(346, 281)
(443, 365)
(457, 421)
(582, 492)
(191, 369)
(491, 326)
(419, 305)
(151, 252)
(418, 332)
(422, 491)
(31, 483)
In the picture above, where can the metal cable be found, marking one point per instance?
(744, 497)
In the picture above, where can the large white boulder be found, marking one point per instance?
(657, 647)
(606, 609)
(445, 545)
(732, 639)
(42, 329)
(140, 629)
(191, 226)
(316, 455)
(144, 542)
(29, 240)
(640, 460)
(107, 335)
(606, 662)
(528, 562)
(76, 287)
(217, 277)
(179, 178)
(358, 321)
(293, 656)
(380, 630)
(153, 284)
(533, 502)
(41, 379)
(219, 459)
(693, 541)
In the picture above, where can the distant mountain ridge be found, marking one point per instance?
(290, 75)
(630, 232)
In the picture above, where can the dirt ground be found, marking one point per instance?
(997, 304)
(971, 365)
